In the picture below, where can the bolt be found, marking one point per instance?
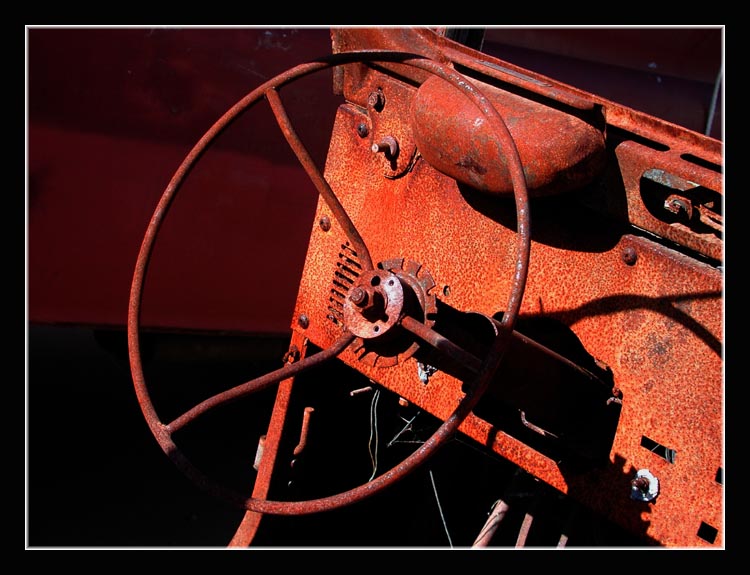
(675, 206)
(325, 223)
(388, 145)
(362, 130)
(358, 296)
(644, 486)
(303, 321)
(616, 396)
(629, 256)
(376, 100)
(641, 483)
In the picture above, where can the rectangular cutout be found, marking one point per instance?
(662, 451)
(720, 476)
(707, 533)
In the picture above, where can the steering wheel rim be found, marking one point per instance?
(163, 432)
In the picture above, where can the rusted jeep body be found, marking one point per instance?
(496, 260)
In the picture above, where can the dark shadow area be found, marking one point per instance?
(568, 414)
(667, 306)
(561, 221)
(97, 478)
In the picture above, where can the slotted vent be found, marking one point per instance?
(346, 273)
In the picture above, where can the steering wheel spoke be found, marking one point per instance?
(262, 382)
(317, 178)
(372, 311)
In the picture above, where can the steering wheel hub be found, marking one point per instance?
(374, 304)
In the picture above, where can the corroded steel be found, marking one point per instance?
(163, 432)
(419, 298)
(639, 307)
(306, 415)
(374, 305)
(615, 272)
(250, 523)
(676, 168)
(640, 317)
(560, 151)
(495, 518)
(317, 178)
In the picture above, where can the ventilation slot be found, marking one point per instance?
(346, 273)
(662, 451)
(701, 162)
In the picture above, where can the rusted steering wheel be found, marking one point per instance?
(163, 432)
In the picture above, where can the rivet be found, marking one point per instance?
(325, 223)
(629, 256)
(303, 321)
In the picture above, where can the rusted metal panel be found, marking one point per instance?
(649, 314)
(129, 102)
(595, 364)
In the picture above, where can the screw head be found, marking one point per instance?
(362, 130)
(303, 321)
(629, 256)
(358, 296)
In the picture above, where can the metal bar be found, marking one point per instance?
(250, 523)
(499, 510)
(555, 355)
(303, 433)
(317, 178)
(569, 527)
(469, 360)
(259, 383)
(441, 343)
(523, 534)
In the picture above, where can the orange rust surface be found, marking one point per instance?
(559, 151)
(674, 163)
(656, 323)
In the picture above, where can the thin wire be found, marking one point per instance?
(374, 433)
(440, 509)
(403, 429)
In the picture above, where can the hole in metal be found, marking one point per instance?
(662, 451)
(707, 532)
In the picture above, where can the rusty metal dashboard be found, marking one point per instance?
(536, 267)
